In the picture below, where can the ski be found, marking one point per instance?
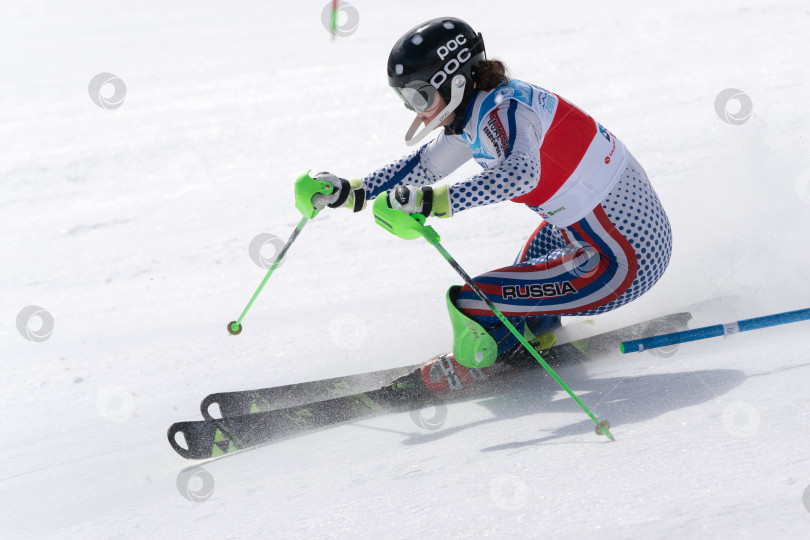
(417, 388)
(442, 376)
(244, 402)
(279, 397)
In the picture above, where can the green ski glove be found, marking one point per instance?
(427, 201)
(399, 223)
(314, 193)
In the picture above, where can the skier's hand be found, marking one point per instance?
(427, 201)
(349, 194)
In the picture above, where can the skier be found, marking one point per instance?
(604, 238)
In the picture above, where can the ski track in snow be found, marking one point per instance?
(131, 227)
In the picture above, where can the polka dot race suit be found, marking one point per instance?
(604, 239)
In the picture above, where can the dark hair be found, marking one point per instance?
(489, 74)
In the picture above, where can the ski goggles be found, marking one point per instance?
(418, 97)
(457, 86)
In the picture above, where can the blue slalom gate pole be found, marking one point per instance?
(716, 330)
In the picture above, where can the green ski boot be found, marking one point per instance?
(473, 347)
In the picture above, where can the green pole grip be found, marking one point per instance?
(307, 187)
(399, 223)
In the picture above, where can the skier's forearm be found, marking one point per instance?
(516, 175)
(408, 170)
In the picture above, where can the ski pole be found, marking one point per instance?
(235, 327)
(305, 188)
(412, 226)
(603, 426)
(717, 330)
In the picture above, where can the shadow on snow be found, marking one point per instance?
(622, 400)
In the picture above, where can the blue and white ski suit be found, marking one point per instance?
(604, 238)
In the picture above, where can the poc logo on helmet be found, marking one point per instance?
(451, 66)
(451, 46)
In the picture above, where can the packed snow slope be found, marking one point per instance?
(131, 227)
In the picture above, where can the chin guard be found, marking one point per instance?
(456, 97)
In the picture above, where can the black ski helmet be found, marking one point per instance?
(425, 60)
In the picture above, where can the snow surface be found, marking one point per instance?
(131, 227)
